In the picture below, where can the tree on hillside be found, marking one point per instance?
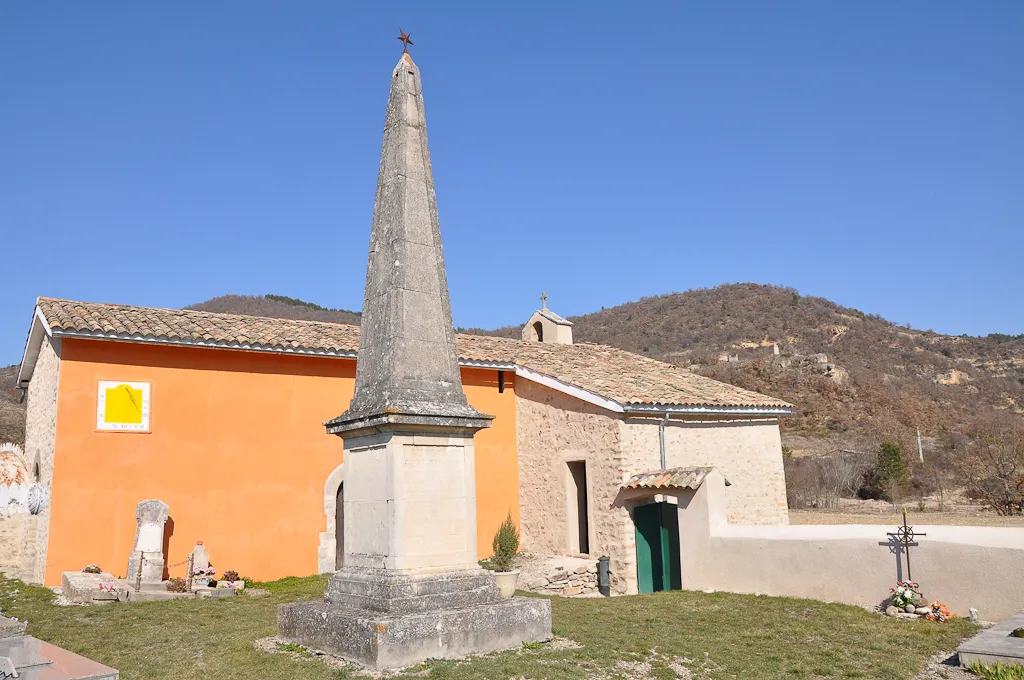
(889, 476)
(992, 466)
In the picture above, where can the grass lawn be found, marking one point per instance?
(664, 636)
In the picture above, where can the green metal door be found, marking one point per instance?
(657, 547)
(670, 546)
(647, 521)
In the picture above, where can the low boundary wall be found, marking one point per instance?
(964, 567)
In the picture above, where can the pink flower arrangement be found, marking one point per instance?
(904, 593)
(107, 587)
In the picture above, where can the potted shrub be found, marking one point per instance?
(505, 546)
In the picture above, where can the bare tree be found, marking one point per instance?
(992, 467)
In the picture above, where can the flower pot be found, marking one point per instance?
(506, 582)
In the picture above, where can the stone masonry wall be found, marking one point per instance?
(553, 429)
(574, 579)
(40, 433)
(18, 544)
(748, 452)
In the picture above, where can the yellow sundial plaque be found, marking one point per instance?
(122, 406)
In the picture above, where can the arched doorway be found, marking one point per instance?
(332, 544)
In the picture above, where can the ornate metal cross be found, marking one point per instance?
(405, 38)
(544, 300)
(905, 535)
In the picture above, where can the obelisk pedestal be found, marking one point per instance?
(410, 588)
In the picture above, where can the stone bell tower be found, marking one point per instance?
(410, 588)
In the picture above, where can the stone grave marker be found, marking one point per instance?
(146, 563)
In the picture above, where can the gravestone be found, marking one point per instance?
(410, 587)
(200, 557)
(148, 551)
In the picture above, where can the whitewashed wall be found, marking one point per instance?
(980, 567)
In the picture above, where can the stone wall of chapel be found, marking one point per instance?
(552, 429)
(18, 545)
(748, 452)
(40, 434)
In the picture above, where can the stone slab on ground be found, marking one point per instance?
(995, 644)
(83, 588)
(154, 596)
(35, 659)
(214, 592)
(384, 641)
(10, 628)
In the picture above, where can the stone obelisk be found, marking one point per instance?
(410, 587)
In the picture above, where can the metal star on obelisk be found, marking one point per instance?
(904, 536)
(406, 40)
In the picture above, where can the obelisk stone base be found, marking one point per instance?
(395, 593)
(384, 641)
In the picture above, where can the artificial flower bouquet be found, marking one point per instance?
(939, 612)
(905, 592)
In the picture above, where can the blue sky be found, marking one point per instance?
(869, 152)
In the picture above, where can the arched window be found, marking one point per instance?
(538, 328)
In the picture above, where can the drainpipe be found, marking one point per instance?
(661, 438)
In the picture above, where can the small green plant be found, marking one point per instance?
(290, 647)
(1017, 633)
(505, 545)
(997, 671)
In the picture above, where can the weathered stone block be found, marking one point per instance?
(10, 628)
(386, 641)
(84, 588)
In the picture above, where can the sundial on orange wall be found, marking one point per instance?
(122, 406)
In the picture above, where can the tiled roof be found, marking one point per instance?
(623, 377)
(551, 316)
(677, 478)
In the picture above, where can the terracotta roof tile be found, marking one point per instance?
(623, 377)
(676, 478)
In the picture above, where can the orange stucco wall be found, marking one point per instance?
(236, 448)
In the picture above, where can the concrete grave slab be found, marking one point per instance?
(35, 659)
(84, 588)
(10, 628)
(995, 644)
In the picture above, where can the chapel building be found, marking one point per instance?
(220, 416)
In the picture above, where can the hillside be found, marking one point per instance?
(855, 378)
(275, 306)
(12, 412)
